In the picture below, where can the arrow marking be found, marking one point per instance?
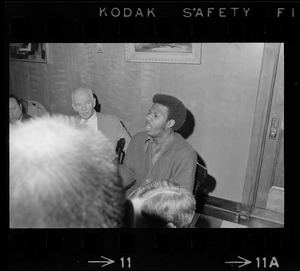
(107, 262)
(244, 262)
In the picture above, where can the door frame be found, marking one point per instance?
(260, 127)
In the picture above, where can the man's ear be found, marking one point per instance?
(170, 123)
(74, 107)
(94, 102)
(129, 218)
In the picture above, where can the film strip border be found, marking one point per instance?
(153, 249)
(144, 21)
(150, 249)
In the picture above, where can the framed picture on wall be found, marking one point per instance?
(29, 52)
(187, 53)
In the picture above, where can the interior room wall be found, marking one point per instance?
(220, 94)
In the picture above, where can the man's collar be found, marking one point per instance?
(19, 120)
(91, 118)
(148, 140)
(165, 147)
(94, 115)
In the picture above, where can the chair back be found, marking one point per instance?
(200, 178)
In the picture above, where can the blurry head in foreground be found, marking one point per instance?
(63, 176)
(163, 204)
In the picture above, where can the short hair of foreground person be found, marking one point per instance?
(63, 176)
(163, 204)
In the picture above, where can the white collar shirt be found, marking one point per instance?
(91, 122)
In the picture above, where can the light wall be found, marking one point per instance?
(220, 93)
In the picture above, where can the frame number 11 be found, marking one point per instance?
(125, 263)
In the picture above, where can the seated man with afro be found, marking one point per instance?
(159, 153)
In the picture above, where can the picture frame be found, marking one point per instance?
(29, 52)
(182, 53)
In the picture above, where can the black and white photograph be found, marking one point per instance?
(146, 135)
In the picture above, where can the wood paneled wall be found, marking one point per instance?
(220, 93)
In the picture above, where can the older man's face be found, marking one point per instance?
(15, 111)
(83, 103)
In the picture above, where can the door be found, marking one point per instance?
(264, 183)
(270, 189)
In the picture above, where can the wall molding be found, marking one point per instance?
(221, 208)
(231, 211)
